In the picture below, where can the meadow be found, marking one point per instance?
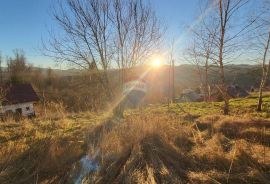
(179, 143)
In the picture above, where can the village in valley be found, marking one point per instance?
(134, 91)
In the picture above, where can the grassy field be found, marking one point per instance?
(182, 143)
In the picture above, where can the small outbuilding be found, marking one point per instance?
(19, 99)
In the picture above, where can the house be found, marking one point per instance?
(18, 98)
(189, 95)
(233, 91)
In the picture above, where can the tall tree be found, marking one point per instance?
(201, 54)
(17, 67)
(229, 38)
(1, 70)
(263, 43)
(86, 36)
(99, 34)
(137, 32)
(265, 72)
(171, 82)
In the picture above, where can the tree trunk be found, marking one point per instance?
(259, 105)
(260, 100)
(265, 73)
(223, 23)
(226, 106)
(173, 82)
(209, 92)
(206, 85)
(108, 88)
(223, 84)
(169, 85)
(222, 75)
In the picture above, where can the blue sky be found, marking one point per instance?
(24, 23)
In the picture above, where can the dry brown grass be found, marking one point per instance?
(141, 148)
(48, 159)
(43, 149)
(160, 149)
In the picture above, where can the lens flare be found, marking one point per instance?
(156, 62)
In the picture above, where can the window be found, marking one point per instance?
(27, 108)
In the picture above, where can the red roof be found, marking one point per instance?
(19, 93)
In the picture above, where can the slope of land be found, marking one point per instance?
(183, 143)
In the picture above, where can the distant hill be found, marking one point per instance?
(186, 75)
(243, 75)
(68, 72)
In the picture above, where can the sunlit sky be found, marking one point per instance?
(24, 23)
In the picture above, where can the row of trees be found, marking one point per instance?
(221, 38)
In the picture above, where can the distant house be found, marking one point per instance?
(189, 95)
(233, 91)
(19, 98)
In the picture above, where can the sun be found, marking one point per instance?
(156, 62)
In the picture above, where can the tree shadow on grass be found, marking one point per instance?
(47, 159)
(152, 152)
(155, 160)
(251, 131)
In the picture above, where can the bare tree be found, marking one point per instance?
(18, 68)
(225, 8)
(1, 70)
(137, 32)
(229, 38)
(99, 34)
(171, 82)
(192, 55)
(86, 36)
(201, 53)
(263, 42)
(265, 73)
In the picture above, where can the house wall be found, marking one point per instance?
(22, 106)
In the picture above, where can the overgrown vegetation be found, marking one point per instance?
(43, 149)
(186, 143)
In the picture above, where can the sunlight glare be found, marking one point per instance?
(156, 62)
